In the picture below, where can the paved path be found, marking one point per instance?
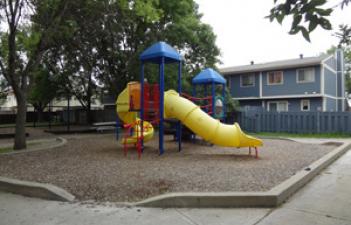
(21, 210)
(326, 200)
(318, 140)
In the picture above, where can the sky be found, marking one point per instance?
(244, 35)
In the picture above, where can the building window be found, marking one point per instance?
(277, 106)
(305, 75)
(275, 77)
(305, 105)
(247, 80)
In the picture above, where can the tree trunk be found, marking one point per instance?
(89, 115)
(89, 94)
(40, 115)
(20, 135)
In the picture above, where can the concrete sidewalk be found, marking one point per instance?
(326, 200)
(22, 210)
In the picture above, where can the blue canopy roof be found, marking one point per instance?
(208, 76)
(158, 50)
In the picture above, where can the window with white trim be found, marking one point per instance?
(305, 75)
(247, 80)
(278, 106)
(275, 77)
(305, 105)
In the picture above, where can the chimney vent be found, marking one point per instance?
(252, 62)
(301, 56)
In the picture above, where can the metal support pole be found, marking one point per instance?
(161, 106)
(142, 106)
(179, 127)
(50, 115)
(194, 90)
(68, 113)
(213, 93)
(117, 126)
(205, 90)
(35, 117)
(224, 103)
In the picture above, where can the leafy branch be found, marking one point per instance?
(307, 15)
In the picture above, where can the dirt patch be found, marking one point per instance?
(33, 133)
(94, 167)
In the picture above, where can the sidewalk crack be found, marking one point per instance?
(266, 215)
(187, 218)
(319, 214)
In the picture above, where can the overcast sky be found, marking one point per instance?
(244, 35)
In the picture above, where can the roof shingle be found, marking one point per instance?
(281, 64)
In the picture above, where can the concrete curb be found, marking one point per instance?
(284, 190)
(210, 200)
(62, 141)
(271, 198)
(34, 189)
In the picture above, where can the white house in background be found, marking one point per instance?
(10, 103)
(348, 102)
(58, 104)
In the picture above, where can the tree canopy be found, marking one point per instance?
(307, 15)
(92, 43)
(22, 47)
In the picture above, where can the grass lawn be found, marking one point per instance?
(8, 149)
(279, 134)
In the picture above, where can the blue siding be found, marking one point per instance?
(331, 63)
(251, 103)
(240, 92)
(290, 86)
(339, 60)
(294, 104)
(339, 80)
(315, 104)
(329, 82)
(340, 67)
(340, 103)
(330, 104)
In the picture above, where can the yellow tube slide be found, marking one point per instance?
(202, 124)
(128, 117)
(190, 115)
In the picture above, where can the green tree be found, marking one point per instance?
(81, 50)
(3, 93)
(130, 33)
(102, 40)
(347, 59)
(43, 90)
(307, 15)
(17, 63)
(231, 104)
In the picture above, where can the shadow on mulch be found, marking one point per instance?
(9, 135)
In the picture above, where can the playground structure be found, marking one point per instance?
(154, 105)
(210, 77)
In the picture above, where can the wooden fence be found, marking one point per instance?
(295, 122)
